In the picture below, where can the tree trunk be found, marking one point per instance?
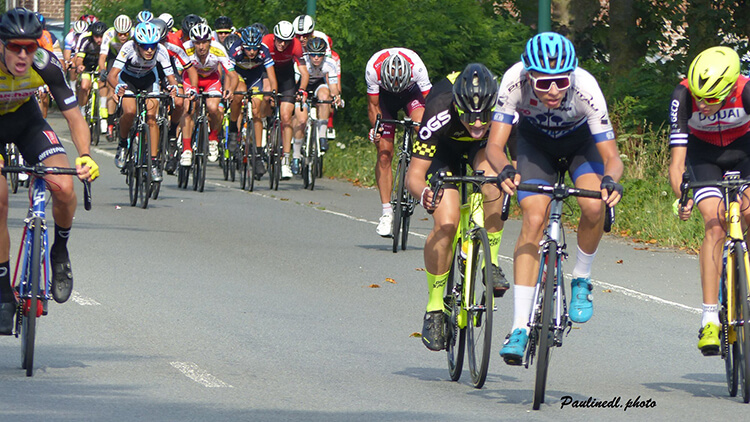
(623, 52)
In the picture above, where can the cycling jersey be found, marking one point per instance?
(131, 62)
(45, 69)
(111, 44)
(419, 74)
(583, 103)
(49, 42)
(70, 41)
(251, 70)
(217, 56)
(327, 67)
(721, 129)
(291, 54)
(176, 50)
(88, 49)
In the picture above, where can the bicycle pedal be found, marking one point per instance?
(711, 351)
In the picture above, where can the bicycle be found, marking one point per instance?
(247, 154)
(199, 141)
(163, 122)
(274, 146)
(15, 159)
(734, 312)
(549, 317)
(468, 298)
(34, 259)
(312, 155)
(138, 164)
(91, 110)
(226, 159)
(401, 200)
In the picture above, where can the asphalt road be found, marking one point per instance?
(228, 305)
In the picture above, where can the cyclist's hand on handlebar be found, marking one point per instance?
(428, 200)
(508, 179)
(611, 191)
(683, 212)
(87, 168)
(302, 95)
(375, 137)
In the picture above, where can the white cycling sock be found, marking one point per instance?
(523, 296)
(297, 148)
(322, 128)
(387, 208)
(710, 314)
(583, 264)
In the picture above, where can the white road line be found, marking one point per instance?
(82, 300)
(192, 371)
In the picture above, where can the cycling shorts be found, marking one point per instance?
(538, 155)
(32, 134)
(315, 85)
(287, 84)
(210, 83)
(390, 103)
(449, 157)
(254, 82)
(707, 162)
(149, 82)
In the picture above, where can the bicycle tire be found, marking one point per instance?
(729, 351)
(743, 311)
(406, 215)
(131, 172)
(14, 161)
(277, 154)
(224, 161)
(455, 339)
(250, 165)
(144, 167)
(397, 199)
(202, 158)
(320, 167)
(479, 314)
(544, 335)
(28, 330)
(163, 155)
(271, 151)
(95, 119)
(183, 173)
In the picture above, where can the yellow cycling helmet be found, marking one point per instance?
(713, 73)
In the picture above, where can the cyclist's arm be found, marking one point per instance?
(304, 76)
(102, 62)
(192, 76)
(113, 77)
(612, 167)
(373, 108)
(232, 81)
(271, 72)
(79, 130)
(416, 183)
(677, 168)
(498, 137)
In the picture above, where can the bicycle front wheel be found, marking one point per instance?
(28, 324)
(743, 311)
(480, 308)
(729, 344)
(131, 170)
(455, 338)
(397, 199)
(144, 167)
(13, 155)
(545, 326)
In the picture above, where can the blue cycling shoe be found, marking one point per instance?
(581, 305)
(514, 347)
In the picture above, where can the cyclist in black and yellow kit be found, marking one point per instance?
(24, 67)
(456, 123)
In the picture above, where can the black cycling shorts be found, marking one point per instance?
(707, 162)
(287, 84)
(449, 156)
(32, 134)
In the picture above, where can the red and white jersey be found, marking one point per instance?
(292, 54)
(217, 56)
(177, 50)
(419, 74)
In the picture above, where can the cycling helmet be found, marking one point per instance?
(475, 93)
(230, 40)
(147, 33)
(161, 26)
(316, 45)
(144, 16)
(41, 19)
(262, 28)
(19, 23)
(190, 21)
(200, 32)
(284, 31)
(168, 19)
(88, 18)
(303, 24)
(714, 72)
(550, 53)
(223, 24)
(395, 73)
(123, 24)
(80, 26)
(251, 37)
(98, 29)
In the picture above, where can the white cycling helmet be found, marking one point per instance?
(144, 16)
(200, 32)
(168, 19)
(284, 31)
(123, 24)
(80, 26)
(303, 24)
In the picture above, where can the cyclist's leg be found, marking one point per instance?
(7, 298)
(84, 89)
(389, 106)
(324, 110)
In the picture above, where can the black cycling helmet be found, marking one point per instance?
(316, 45)
(41, 18)
(475, 93)
(188, 23)
(262, 28)
(98, 28)
(19, 23)
(161, 26)
(223, 24)
(230, 40)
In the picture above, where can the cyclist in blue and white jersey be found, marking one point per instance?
(563, 115)
(135, 70)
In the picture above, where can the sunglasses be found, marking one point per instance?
(16, 47)
(316, 54)
(708, 101)
(251, 47)
(471, 117)
(148, 46)
(545, 84)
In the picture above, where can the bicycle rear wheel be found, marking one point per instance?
(131, 169)
(455, 336)
(13, 155)
(144, 167)
(275, 154)
(407, 212)
(545, 327)
(479, 314)
(28, 324)
(729, 345)
(95, 119)
(743, 311)
(397, 200)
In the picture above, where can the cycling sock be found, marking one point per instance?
(710, 314)
(123, 142)
(523, 296)
(111, 119)
(436, 288)
(233, 126)
(6, 292)
(583, 264)
(60, 247)
(495, 239)
(297, 144)
(387, 208)
(322, 128)
(173, 129)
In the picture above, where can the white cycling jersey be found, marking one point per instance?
(327, 67)
(583, 103)
(110, 42)
(419, 74)
(217, 56)
(130, 62)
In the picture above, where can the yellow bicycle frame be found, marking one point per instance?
(471, 211)
(733, 217)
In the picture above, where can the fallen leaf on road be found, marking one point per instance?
(419, 269)
(607, 291)
(390, 280)
(415, 335)
(641, 249)
(283, 199)
(652, 241)
(346, 194)
(374, 286)
(314, 203)
(619, 261)
(425, 219)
